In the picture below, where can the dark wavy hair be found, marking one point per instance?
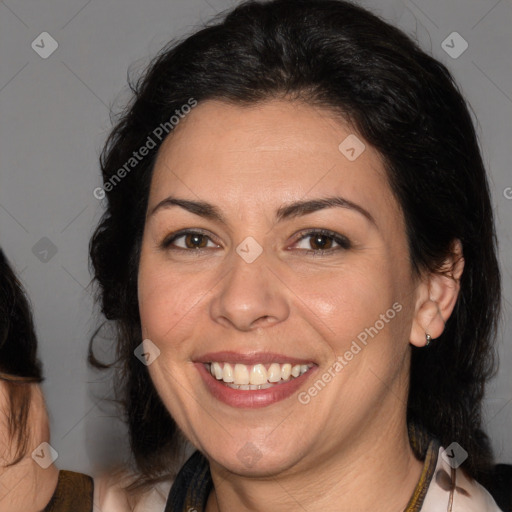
(19, 365)
(403, 102)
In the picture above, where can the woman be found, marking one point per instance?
(299, 254)
(29, 481)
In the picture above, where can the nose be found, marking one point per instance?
(250, 295)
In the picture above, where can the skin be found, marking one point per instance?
(349, 444)
(26, 485)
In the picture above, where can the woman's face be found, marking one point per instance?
(249, 287)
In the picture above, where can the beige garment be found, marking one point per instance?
(465, 496)
(110, 496)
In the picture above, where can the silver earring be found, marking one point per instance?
(428, 338)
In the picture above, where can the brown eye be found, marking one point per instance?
(195, 240)
(322, 241)
(191, 240)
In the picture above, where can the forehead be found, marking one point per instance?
(266, 154)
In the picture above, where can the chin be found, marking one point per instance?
(249, 458)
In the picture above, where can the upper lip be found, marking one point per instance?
(250, 358)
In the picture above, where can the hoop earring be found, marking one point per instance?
(428, 338)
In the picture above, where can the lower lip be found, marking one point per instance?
(251, 399)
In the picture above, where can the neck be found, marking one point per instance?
(373, 470)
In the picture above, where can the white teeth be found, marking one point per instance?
(258, 374)
(286, 371)
(227, 373)
(241, 376)
(217, 371)
(274, 372)
(250, 387)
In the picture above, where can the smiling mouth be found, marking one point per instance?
(257, 376)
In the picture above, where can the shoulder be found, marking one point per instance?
(25, 485)
(453, 486)
(74, 492)
(110, 494)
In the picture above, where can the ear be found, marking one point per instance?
(437, 294)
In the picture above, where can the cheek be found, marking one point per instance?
(347, 294)
(157, 297)
(168, 302)
(353, 302)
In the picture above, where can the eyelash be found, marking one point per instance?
(343, 242)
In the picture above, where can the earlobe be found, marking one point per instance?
(427, 321)
(437, 298)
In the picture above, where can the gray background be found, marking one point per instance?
(55, 116)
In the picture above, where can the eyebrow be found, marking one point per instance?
(287, 211)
